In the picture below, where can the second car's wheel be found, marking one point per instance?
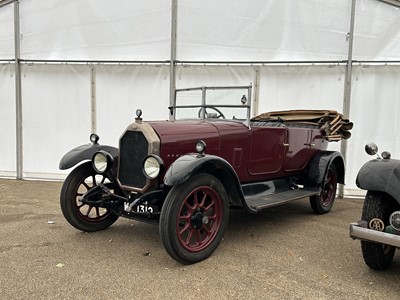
(194, 218)
(322, 203)
(377, 206)
(85, 216)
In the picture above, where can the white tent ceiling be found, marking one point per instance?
(297, 51)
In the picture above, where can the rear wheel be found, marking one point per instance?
(194, 218)
(322, 203)
(377, 256)
(83, 216)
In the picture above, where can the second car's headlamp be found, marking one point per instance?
(152, 166)
(102, 161)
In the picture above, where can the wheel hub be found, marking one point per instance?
(199, 219)
(327, 187)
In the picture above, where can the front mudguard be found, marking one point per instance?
(185, 166)
(382, 175)
(320, 164)
(82, 153)
(188, 165)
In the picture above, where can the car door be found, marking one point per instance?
(298, 148)
(267, 151)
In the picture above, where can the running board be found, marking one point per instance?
(258, 203)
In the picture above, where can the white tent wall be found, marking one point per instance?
(283, 30)
(121, 90)
(377, 31)
(7, 94)
(7, 32)
(56, 114)
(95, 30)
(375, 111)
(302, 87)
(191, 76)
(63, 103)
(7, 121)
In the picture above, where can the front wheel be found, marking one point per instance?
(194, 218)
(83, 216)
(322, 203)
(377, 256)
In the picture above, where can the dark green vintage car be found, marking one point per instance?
(379, 227)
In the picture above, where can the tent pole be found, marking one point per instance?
(93, 101)
(172, 71)
(347, 84)
(256, 91)
(18, 96)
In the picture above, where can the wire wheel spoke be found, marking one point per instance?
(94, 180)
(86, 185)
(203, 200)
(189, 236)
(198, 237)
(88, 211)
(190, 208)
(184, 228)
(206, 229)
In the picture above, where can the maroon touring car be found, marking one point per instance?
(187, 172)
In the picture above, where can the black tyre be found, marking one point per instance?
(83, 216)
(377, 256)
(322, 203)
(194, 218)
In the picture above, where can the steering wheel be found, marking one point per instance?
(219, 113)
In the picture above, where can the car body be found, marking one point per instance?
(186, 172)
(379, 227)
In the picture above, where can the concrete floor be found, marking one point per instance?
(282, 253)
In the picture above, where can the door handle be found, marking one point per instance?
(310, 145)
(285, 145)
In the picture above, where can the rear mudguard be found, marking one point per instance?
(382, 175)
(82, 153)
(320, 164)
(188, 165)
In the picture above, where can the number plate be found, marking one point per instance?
(144, 208)
(140, 208)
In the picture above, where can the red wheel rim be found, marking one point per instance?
(85, 211)
(329, 189)
(199, 219)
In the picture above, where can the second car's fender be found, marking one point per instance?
(188, 165)
(381, 175)
(82, 153)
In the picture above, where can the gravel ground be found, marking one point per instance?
(282, 253)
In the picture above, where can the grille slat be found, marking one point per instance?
(133, 149)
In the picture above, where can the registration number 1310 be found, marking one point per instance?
(144, 208)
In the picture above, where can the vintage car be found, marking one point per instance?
(185, 173)
(379, 227)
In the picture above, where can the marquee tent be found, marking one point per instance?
(69, 68)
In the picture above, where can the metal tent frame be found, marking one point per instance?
(173, 62)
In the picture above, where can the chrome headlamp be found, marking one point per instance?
(386, 155)
(371, 148)
(152, 166)
(102, 161)
(94, 138)
(394, 220)
(200, 147)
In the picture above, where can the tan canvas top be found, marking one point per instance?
(331, 123)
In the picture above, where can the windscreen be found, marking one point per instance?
(213, 103)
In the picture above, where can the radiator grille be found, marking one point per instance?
(133, 149)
